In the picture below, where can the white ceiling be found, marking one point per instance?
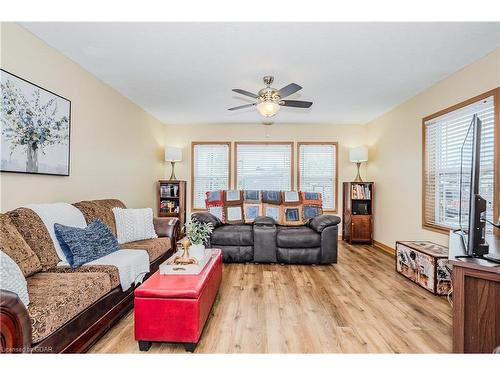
(353, 72)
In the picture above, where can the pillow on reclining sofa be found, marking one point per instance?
(14, 245)
(83, 245)
(134, 224)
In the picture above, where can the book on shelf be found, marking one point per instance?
(169, 191)
(360, 191)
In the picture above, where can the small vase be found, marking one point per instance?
(197, 251)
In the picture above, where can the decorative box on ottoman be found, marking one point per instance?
(424, 263)
(174, 308)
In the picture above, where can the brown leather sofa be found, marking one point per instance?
(69, 308)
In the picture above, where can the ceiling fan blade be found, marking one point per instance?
(289, 90)
(295, 103)
(247, 93)
(242, 106)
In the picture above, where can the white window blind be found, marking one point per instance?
(444, 138)
(264, 166)
(317, 168)
(210, 170)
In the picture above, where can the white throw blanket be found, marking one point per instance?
(132, 264)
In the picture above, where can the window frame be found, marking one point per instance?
(196, 143)
(495, 93)
(335, 174)
(292, 161)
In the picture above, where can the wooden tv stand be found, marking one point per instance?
(476, 303)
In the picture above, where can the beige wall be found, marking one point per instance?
(396, 150)
(346, 135)
(116, 147)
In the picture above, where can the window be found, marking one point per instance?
(444, 135)
(210, 170)
(264, 166)
(317, 166)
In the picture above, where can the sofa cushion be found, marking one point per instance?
(112, 271)
(236, 254)
(308, 255)
(297, 237)
(55, 298)
(83, 245)
(155, 247)
(14, 245)
(36, 235)
(233, 235)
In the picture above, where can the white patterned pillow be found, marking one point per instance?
(134, 224)
(12, 278)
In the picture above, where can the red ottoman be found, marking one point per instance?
(174, 308)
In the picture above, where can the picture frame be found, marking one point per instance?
(35, 128)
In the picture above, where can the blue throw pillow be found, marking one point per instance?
(83, 245)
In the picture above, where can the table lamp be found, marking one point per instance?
(358, 155)
(173, 155)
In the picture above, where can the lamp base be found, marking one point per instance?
(358, 176)
(172, 175)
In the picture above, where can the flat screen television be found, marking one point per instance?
(472, 209)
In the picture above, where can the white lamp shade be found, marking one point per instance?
(173, 154)
(358, 154)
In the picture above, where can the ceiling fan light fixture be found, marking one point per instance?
(268, 108)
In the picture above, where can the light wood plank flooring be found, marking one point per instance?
(359, 305)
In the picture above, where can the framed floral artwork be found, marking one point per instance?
(34, 128)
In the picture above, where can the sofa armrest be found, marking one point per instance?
(168, 227)
(264, 221)
(15, 324)
(206, 217)
(320, 222)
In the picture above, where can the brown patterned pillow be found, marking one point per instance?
(14, 245)
(92, 211)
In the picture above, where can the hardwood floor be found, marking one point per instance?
(360, 305)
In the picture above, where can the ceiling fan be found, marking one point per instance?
(269, 99)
